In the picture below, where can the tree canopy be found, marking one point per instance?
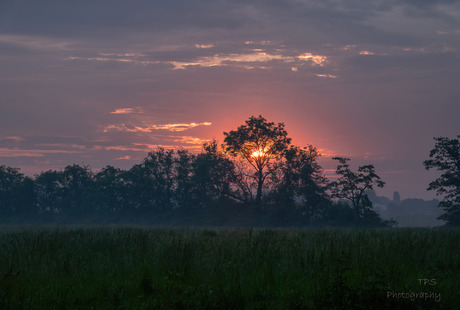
(445, 157)
(215, 187)
(352, 186)
(258, 142)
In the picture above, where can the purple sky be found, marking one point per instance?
(104, 82)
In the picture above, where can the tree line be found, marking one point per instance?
(255, 178)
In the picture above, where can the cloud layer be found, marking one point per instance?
(104, 82)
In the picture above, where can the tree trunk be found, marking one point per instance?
(259, 190)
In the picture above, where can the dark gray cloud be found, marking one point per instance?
(213, 19)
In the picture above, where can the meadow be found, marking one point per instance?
(191, 268)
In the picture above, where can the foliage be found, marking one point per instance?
(158, 171)
(16, 192)
(214, 187)
(70, 191)
(48, 187)
(183, 165)
(110, 186)
(445, 157)
(258, 142)
(298, 183)
(213, 175)
(352, 186)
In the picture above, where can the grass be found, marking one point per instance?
(135, 268)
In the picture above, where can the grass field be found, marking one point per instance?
(136, 268)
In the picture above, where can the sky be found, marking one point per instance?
(105, 82)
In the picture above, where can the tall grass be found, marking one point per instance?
(134, 268)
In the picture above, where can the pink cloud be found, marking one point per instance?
(15, 152)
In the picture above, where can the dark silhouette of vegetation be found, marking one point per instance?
(445, 157)
(256, 178)
(258, 142)
(299, 186)
(352, 186)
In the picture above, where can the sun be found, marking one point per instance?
(258, 154)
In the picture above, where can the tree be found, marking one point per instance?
(298, 182)
(25, 199)
(352, 186)
(183, 177)
(445, 157)
(10, 181)
(157, 176)
(258, 142)
(110, 187)
(49, 191)
(213, 175)
(312, 185)
(78, 189)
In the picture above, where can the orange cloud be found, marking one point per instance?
(248, 60)
(169, 127)
(327, 152)
(179, 127)
(149, 147)
(123, 158)
(123, 111)
(316, 59)
(120, 148)
(331, 76)
(257, 58)
(204, 45)
(192, 140)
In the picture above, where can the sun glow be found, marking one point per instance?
(258, 154)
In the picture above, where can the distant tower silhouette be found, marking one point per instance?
(396, 198)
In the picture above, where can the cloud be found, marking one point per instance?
(34, 42)
(123, 111)
(192, 140)
(123, 148)
(135, 59)
(232, 55)
(16, 152)
(256, 59)
(204, 45)
(316, 59)
(180, 127)
(264, 42)
(124, 158)
(331, 76)
(86, 69)
(150, 128)
(13, 138)
(324, 152)
(189, 143)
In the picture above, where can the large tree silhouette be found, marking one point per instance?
(445, 157)
(352, 186)
(258, 142)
